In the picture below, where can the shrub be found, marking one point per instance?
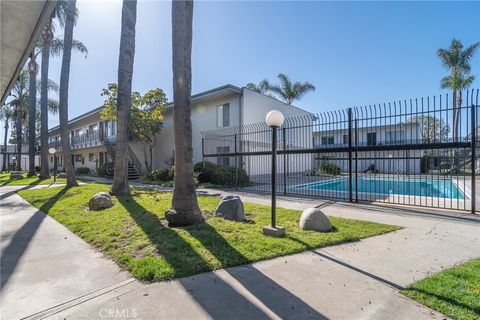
(329, 168)
(160, 175)
(82, 170)
(37, 169)
(105, 170)
(219, 175)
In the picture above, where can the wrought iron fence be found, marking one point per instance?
(417, 152)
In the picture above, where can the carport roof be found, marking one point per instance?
(21, 25)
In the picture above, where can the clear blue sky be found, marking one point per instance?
(355, 53)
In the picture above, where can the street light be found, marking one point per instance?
(274, 120)
(52, 151)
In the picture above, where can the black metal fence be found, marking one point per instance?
(418, 152)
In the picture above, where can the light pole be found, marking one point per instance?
(52, 151)
(274, 120)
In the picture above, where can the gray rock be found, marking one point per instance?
(61, 175)
(16, 176)
(314, 219)
(230, 208)
(99, 201)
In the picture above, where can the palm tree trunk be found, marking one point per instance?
(4, 164)
(63, 94)
(124, 99)
(455, 134)
(185, 209)
(32, 113)
(18, 131)
(47, 38)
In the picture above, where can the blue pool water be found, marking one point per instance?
(442, 188)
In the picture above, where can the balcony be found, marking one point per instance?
(90, 139)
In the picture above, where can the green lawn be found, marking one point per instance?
(5, 180)
(133, 232)
(454, 292)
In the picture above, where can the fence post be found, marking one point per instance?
(236, 163)
(350, 195)
(356, 160)
(473, 157)
(284, 161)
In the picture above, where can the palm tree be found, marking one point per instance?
(457, 60)
(288, 91)
(63, 95)
(20, 101)
(262, 87)
(32, 111)
(124, 100)
(6, 114)
(57, 17)
(185, 209)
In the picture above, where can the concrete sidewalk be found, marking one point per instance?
(359, 280)
(42, 263)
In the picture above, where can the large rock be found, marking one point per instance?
(314, 219)
(62, 175)
(99, 201)
(230, 208)
(16, 175)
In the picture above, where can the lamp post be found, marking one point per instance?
(52, 151)
(274, 120)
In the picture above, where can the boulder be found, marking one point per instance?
(230, 208)
(314, 219)
(16, 175)
(99, 201)
(61, 175)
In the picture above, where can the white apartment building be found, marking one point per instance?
(92, 139)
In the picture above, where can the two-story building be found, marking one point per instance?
(92, 139)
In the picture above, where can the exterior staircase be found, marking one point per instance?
(134, 165)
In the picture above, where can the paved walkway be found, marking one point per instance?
(351, 281)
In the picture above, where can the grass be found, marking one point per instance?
(132, 232)
(454, 292)
(6, 181)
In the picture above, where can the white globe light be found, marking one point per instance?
(52, 150)
(275, 119)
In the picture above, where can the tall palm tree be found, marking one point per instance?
(20, 101)
(289, 91)
(63, 95)
(57, 18)
(185, 209)
(457, 61)
(6, 114)
(32, 111)
(124, 100)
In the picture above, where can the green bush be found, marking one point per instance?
(160, 175)
(82, 170)
(328, 168)
(219, 175)
(105, 170)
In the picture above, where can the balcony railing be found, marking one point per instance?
(90, 139)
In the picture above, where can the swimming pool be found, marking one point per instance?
(439, 188)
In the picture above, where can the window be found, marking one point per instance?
(92, 157)
(394, 137)
(371, 139)
(345, 139)
(327, 140)
(223, 115)
(78, 132)
(223, 161)
(78, 158)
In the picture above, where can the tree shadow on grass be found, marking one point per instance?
(449, 300)
(276, 298)
(21, 239)
(185, 261)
